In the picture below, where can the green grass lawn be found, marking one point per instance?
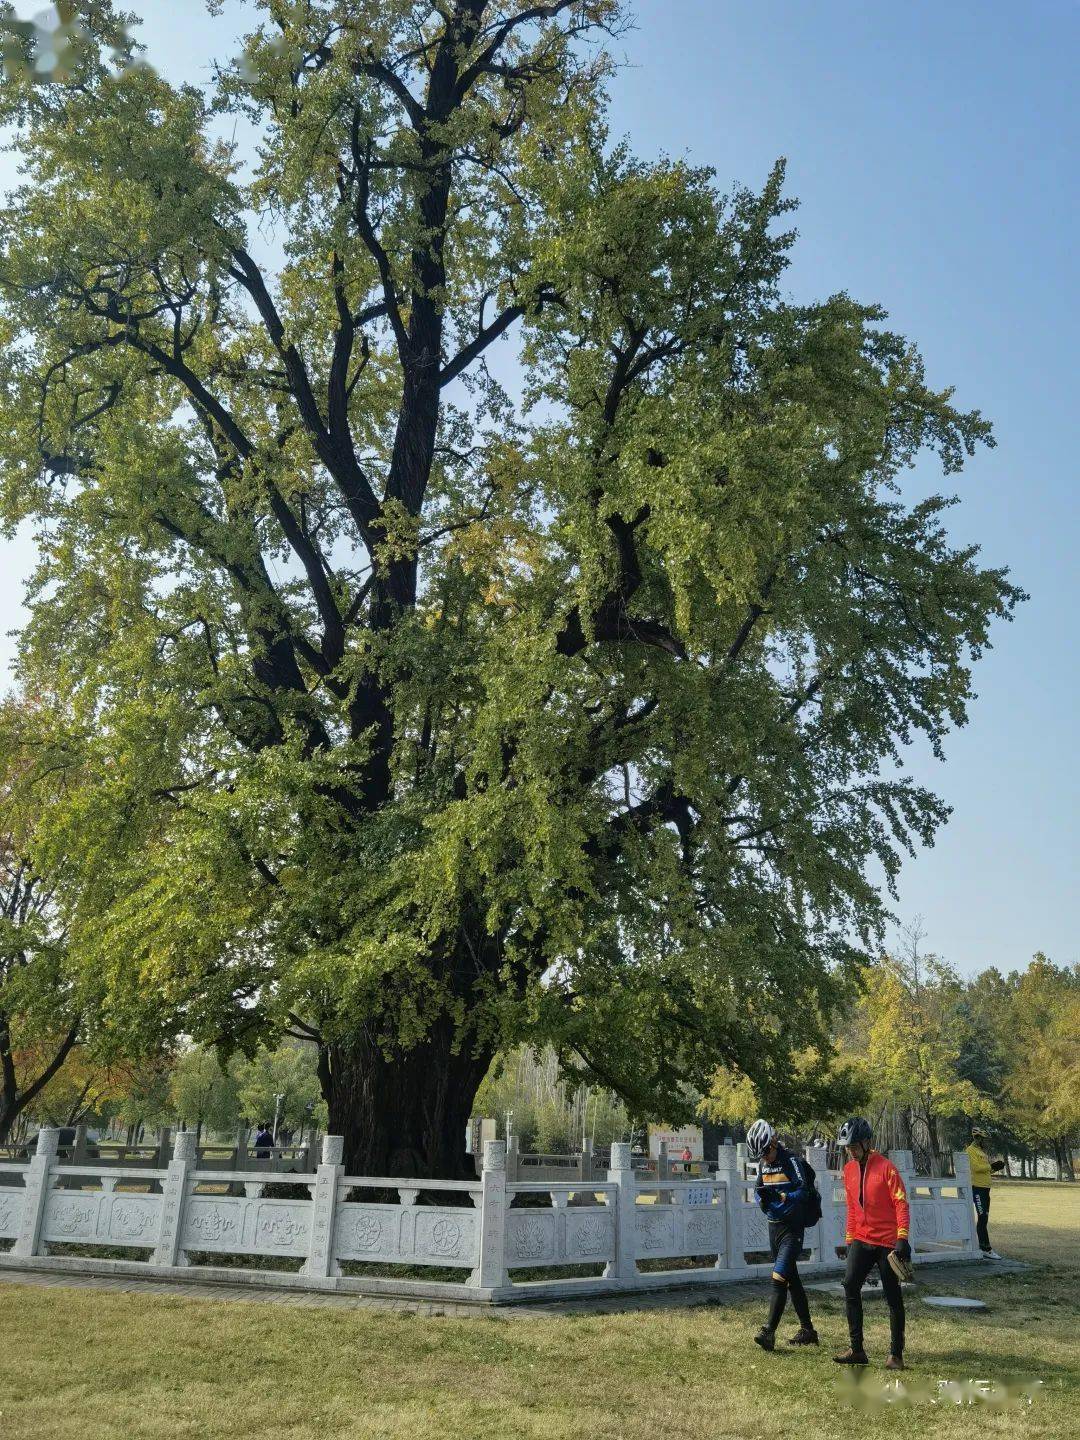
(79, 1363)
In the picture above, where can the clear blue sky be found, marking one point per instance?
(933, 146)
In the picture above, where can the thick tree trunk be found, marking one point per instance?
(406, 1115)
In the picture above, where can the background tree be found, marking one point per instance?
(425, 722)
(291, 1072)
(985, 1046)
(40, 1006)
(204, 1093)
(907, 1033)
(821, 1088)
(141, 1101)
(83, 1089)
(551, 1114)
(1040, 1090)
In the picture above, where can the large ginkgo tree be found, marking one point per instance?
(480, 599)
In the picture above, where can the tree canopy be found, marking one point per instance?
(425, 712)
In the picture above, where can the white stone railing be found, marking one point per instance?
(506, 1240)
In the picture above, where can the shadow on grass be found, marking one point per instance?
(963, 1363)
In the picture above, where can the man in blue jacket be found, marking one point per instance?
(783, 1191)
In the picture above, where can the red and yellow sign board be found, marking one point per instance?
(687, 1137)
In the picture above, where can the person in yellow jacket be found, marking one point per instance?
(982, 1169)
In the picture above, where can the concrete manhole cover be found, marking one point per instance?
(954, 1302)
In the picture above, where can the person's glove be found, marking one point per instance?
(996, 1165)
(903, 1249)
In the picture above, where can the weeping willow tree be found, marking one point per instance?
(422, 719)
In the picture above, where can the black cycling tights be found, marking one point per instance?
(861, 1259)
(798, 1299)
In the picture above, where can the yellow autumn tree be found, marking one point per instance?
(904, 1039)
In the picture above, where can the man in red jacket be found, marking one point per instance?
(877, 1225)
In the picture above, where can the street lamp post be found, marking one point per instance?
(277, 1114)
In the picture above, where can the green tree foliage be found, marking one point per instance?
(986, 1044)
(141, 1099)
(422, 723)
(550, 1114)
(41, 1007)
(204, 1093)
(819, 1087)
(290, 1071)
(1041, 1089)
(208, 1091)
(1019, 1045)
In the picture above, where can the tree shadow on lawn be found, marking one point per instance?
(968, 1363)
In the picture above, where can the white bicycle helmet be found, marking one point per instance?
(758, 1139)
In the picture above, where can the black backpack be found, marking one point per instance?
(812, 1199)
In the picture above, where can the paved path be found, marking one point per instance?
(593, 1305)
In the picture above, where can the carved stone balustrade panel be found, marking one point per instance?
(11, 1208)
(101, 1217)
(530, 1238)
(246, 1226)
(408, 1234)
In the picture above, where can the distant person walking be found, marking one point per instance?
(264, 1143)
(878, 1219)
(982, 1171)
(785, 1192)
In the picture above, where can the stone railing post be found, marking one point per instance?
(174, 1190)
(962, 1171)
(78, 1149)
(585, 1161)
(164, 1149)
(241, 1158)
(663, 1167)
(624, 1267)
(35, 1194)
(904, 1161)
(512, 1151)
(490, 1273)
(818, 1157)
(320, 1259)
(729, 1174)
(311, 1154)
